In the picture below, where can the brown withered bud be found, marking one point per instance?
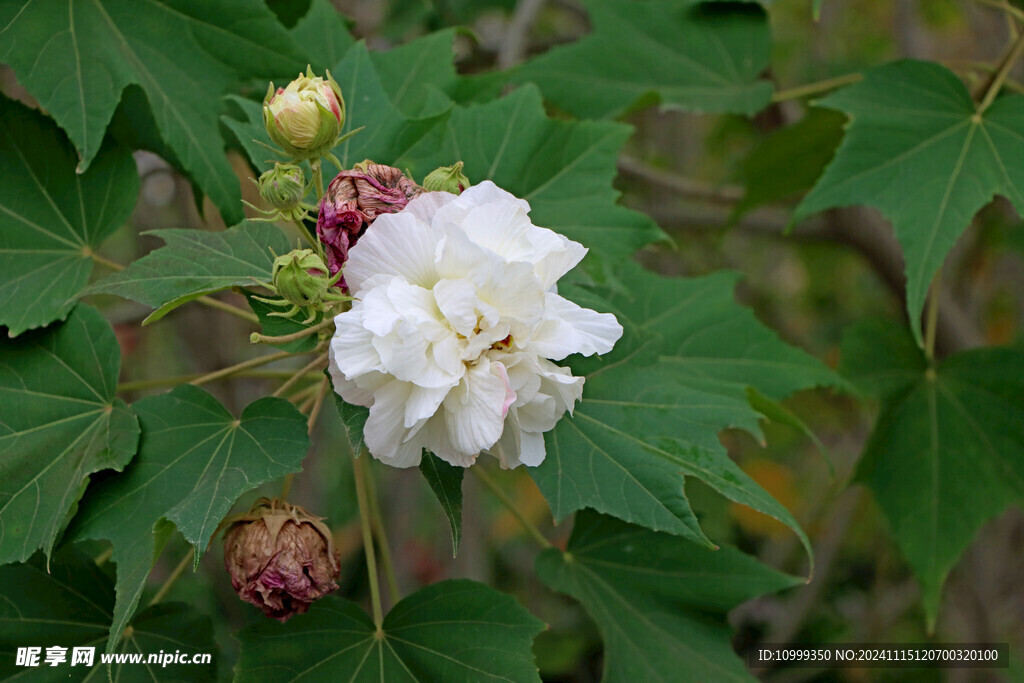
(280, 558)
(353, 200)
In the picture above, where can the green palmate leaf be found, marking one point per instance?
(917, 149)
(790, 160)
(387, 133)
(195, 460)
(69, 604)
(947, 453)
(659, 603)
(419, 75)
(194, 263)
(564, 169)
(641, 429)
(446, 482)
(454, 630)
(322, 34)
(59, 423)
(702, 57)
(51, 218)
(107, 45)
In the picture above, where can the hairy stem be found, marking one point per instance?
(371, 557)
(377, 522)
(508, 503)
(815, 88)
(318, 401)
(175, 575)
(257, 338)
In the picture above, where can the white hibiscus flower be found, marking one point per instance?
(455, 323)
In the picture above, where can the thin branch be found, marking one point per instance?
(371, 557)
(1003, 6)
(175, 575)
(312, 365)
(513, 49)
(245, 365)
(511, 506)
(685, 187)
(815, 88)
(377, 522)
(996, 82)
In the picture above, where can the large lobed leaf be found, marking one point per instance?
(701, 57)
(455, 630)
(76, 58)
(652, 410)
(194, 263)
(947, 452)
(563, 168)
(59, 423)
(917, 149)
(69, 603)
(52, 218)
(659, 603)
(195, 459)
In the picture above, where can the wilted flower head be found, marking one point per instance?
(353, 200)
(305, 117)
(454, 327)
(446, 179)
(280, 558)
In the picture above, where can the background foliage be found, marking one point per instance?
(785, 348)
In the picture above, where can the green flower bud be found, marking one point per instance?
(446, 179)
(306, 117)
(283, 187)
(301, 278)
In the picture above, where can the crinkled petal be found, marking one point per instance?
(473, 409)
(427, 204)
(351, 350)
(568, 328)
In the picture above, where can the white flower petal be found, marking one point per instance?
(385, 432)
(473, 410)
(351, 350)
(395, 244)
(568, 328)
(427, 204)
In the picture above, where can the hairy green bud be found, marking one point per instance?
(446, 179)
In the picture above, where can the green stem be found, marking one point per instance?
(175, 575)
(104, 557)
(245, 365)
(257, 338)
(508, 503)
(371, 557)
(286, 485)
(136, 385)
(318, 178)
(377, 522)
(815, 88)
(309, 367)
(932, 317)
(1001, 74)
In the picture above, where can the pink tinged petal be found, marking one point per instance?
(473, 410)
(499, 371)
(385, 432)
(568, 328)
(396, 244)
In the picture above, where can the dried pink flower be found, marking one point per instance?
(353, 200)
(280, 558)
